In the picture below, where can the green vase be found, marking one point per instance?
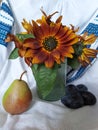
(50, 82)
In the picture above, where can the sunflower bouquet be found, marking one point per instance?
(48, 47)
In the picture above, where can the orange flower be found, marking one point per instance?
(52, 43)
(87, 53)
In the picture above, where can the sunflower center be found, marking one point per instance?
(50, 43)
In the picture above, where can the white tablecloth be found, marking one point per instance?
(44, 115)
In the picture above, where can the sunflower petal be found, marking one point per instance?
(56, 54)
(29, 53)
(54, 29)
(58, 61)
(67, 52)
(27, 26)
(68, 49)
(90, 53)
(61, 34)
(72, 37)
(59, 19)
(49, 62)
(21, 52)
(28, 61)
(88, 39)
(45, 28)
(39, 57)
(63, 59)
(31, 43)
(37, 30)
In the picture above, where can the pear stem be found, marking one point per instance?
(22, 75)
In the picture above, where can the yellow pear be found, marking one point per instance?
(18, 97)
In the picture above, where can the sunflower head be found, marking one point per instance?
(82, 50)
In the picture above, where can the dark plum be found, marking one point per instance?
(70, 89)
(73, 101)
(82, 87)
(88, 97)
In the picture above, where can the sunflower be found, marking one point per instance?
(87, 53)
(52, 42)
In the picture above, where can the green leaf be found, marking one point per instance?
(14, 54)
(45, 79)
(73, 63)
(22, 37)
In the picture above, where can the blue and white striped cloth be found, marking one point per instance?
(6, 21)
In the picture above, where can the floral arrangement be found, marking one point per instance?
(45, 46)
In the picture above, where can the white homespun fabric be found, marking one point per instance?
(44, 115)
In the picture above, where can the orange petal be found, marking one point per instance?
(90, 40)
(90, 52)
(71, 42)
(62, 32)
(29, 53)
(40, 57)
(27, 26)
(54, 29)
(22, 52)
(28, 61)
(37, 30)
(45, 28)
(49, 62)
(67, 52)
(72, 37)
(58, 61)
(59, 19)
(68, 49)
(63, 58)
(31, 43)
(84, 60)
(68, 33)
(55, 54)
